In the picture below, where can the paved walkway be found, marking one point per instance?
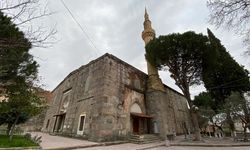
(58, 142)
(126, 146)
(198, 148)
(130, 146)
(208, 142)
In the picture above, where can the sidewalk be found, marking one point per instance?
(62, 143)
(208, 142)
(58, 142)
(127, 146)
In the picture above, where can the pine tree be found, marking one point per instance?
(18, 71)
(222, 75)
(182, 54)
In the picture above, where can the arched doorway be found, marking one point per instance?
(139, 120)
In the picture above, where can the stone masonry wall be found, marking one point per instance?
(170, 111)
(104, 91)
(79, 93)
(124, 85)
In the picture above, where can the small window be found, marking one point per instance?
(47, 125)
(82, 118)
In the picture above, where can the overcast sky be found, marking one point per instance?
(115, 27)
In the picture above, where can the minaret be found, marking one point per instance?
(154, 82)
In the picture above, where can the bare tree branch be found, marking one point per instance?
(7, 5)
(233, 15)
(23, 13)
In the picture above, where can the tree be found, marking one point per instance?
(221, 74)
(182, 55)
(246, 110)
(238, 108)
(232, 108)
(204, 100)
(18, 73)
(206, 108)
(23, 13)
(14, 58)
(8, 117)
(232, 14)
(23, 103)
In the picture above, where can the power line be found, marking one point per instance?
(80, 26)
(228, 83)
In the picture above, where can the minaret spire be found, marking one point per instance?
(146, 14)
(148, 34)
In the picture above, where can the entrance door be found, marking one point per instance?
(136, 125)
(60, 122)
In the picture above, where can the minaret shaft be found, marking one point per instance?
(148, 34)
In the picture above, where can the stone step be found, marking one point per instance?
(143, 139)
(145, 135)
(155, 138)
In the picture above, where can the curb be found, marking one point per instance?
(21, 148)
(74, 147)
(209, 145)
(150, 147)
(87, 146)
(114, 143)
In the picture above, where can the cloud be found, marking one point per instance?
(115, 27)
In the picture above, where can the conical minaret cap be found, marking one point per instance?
(146, 14)
(148, 32)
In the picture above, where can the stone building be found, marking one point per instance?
(108, 99)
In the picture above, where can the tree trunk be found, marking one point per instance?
(231, 124)
(12, 129)
(8, 129)
(246, 117)
(245, 134)
(194, 115)
(196, 134)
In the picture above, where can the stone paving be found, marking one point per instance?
(207, 141)
(127, 146)
(130, 146)
(57, 142)
(198, 148)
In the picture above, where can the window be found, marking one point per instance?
(82, 119)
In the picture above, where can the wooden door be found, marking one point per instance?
(136, 125)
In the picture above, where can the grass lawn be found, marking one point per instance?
(17, 141)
